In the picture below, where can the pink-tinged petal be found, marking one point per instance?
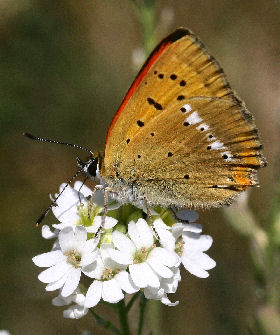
(49, 258)
(124, 280)
(80, 236)
(123, 243)
(120, 257)
(66, 237)
(57, 284)
(87, 259)
(111, 291)
(72, 282)
(55, 272)
(93, 295)
(164, 256)
(194, 268)
(142, 275)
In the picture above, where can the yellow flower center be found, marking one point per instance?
(73, 257)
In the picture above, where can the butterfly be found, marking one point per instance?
(181, 137)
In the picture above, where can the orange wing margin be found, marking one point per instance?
(164, 44)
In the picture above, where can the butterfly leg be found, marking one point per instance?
(150, 220)
(90, 203)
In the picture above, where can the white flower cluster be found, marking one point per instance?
(125, 257)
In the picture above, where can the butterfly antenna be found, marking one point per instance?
(41, 218)
(32, 137)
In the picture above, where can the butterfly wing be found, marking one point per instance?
(155, 140)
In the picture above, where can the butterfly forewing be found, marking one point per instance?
(182, 137)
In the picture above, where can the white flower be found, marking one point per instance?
(187, 241)
(71, 201)
(4, 332)
(168, 285)
(65, 265)
(76, 311)
(147, 263)
(111, 279)
(191, 247)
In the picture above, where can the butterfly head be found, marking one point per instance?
(90, 167)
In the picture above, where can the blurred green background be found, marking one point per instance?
(64, 69)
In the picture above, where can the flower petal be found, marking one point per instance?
(159, 268)
(123, 243)
(49, 258)
(66, 237)
(124, 280)
(72, 282)
(194, 268)
(89, 258)
(55, 272)
(47, 233)
(57, 284)
(75, 312)
(111, 291)
(143, 276)
(164, 256)
(141, 234)
(120, 257)
(93, 295)
(80, 236)
(193, 227)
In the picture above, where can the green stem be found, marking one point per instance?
(142, 305)
(146, 10)
(132, 300)
(102, 321)
(122, 314)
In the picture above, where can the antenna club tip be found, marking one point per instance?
(28, 135)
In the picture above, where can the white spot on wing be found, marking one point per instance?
(193, 118)
(217, 145)
(188, 108)
(204, 126)
(210, 139)
(229, 156)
